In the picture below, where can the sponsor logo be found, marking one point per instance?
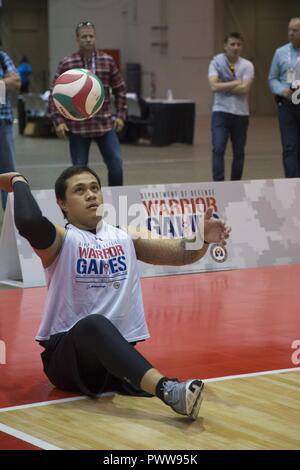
(218, 253)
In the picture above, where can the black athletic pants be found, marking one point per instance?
(93, 357)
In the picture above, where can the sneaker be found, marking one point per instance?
(184, 397)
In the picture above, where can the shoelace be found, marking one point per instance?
(171, 387)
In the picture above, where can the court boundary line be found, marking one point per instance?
(41, 403)
(213, 379)
(50, 402)
(251, 374)
(47, 446)
(23, 436)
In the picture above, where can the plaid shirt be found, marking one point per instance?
(110, 76)
(6, 67)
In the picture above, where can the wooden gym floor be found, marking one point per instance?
(235, 329)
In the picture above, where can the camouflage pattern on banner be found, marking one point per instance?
(264, 216)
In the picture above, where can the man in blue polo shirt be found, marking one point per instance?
(285, 70)
(9, 80)
(230, 78)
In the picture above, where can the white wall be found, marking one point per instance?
(109, 17)
(263, 24)
(23, 30)
(129, 25)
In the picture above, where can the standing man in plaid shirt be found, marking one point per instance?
(101, 127)
(9, 80)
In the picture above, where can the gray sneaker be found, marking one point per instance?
(184, 397)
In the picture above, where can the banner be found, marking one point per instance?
(264, 216)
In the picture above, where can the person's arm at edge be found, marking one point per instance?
(45, 238)
(12, 81)
(11, 78)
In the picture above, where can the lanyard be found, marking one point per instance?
(232, 67)
(290, 59)
(92, 66)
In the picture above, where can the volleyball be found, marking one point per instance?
(78, 94)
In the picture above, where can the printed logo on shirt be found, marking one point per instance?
(101, 266)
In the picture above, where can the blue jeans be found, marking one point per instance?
(110, 149)
(225, 125)
(7, 153)
(289, 122)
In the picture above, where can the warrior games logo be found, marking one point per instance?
(170, 213)
(178, 214)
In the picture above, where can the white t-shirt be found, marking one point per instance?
(94, 274)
